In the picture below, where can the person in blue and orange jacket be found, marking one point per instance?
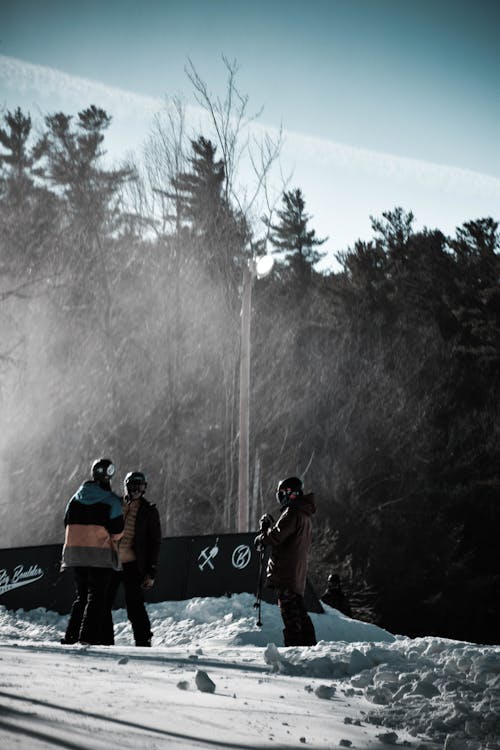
(94, 525)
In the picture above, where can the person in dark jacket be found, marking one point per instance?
(335, 597)
(139, 550)
(94, 524)
(290, 541)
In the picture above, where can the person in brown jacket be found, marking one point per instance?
(290, 541)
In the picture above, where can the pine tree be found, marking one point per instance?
(73, 164)
(19, 158)
(200, 189)
(291, 236)
(217, 233)
(24, 201)
(477, 298)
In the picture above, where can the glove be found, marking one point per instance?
(266, 522)
(258, 542)
(147, 583)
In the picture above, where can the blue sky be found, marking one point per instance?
(412, 79)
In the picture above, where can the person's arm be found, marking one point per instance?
(154, 543)
(281, 530)
(115, 522)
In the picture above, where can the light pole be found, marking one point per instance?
(255, 268)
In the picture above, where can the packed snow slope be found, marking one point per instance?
(213, 679)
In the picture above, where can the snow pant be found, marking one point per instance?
(298, 630)
(87, 618)
(134, 601)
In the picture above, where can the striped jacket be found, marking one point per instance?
(94, 524)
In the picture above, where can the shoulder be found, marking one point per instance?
(148, 506)
(82, 491)
(112, 498)
(307, 505)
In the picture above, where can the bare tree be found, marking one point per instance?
(238, 137)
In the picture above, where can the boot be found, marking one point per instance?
(144, 642)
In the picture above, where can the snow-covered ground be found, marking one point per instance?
(360, 687)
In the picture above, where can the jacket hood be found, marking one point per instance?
(90, 492)
(305, 504)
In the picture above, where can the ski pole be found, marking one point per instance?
(258, 602)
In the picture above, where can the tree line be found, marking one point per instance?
(120, 304)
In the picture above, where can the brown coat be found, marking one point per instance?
(290, 538)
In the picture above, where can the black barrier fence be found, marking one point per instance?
(192, 566)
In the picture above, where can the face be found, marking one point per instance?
(285, 495)
(136, 489)
(282, 496)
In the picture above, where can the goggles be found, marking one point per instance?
(136, 487)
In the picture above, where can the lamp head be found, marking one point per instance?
(264, 265)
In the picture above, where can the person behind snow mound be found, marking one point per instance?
(139, 550)
(290, 541)
(94, 524)
(335, 597)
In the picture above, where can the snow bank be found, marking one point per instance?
(231, 621)
(446, 690)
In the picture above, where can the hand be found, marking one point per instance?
(148, 582)
(266, 522)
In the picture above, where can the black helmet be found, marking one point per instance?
(135, 480)
(288, 490)
(102, 470)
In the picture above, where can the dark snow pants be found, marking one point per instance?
(87, 618)
(299, 630)
(134, 601)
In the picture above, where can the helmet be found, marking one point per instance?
(135, 480)
(288, 490)
(102, 470)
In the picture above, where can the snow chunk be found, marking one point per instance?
(425, 688)
(272, 655)
(325, 691)
(203, 682)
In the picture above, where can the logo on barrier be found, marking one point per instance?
(241, 557)
(207, 555)
(20, 576)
